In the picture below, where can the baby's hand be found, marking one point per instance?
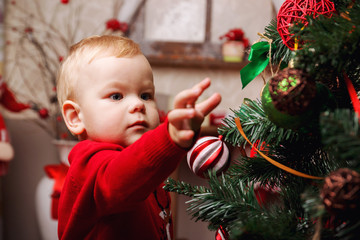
(186, 118)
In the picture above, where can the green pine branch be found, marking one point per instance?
(256, 126)
(281, 55)
(184, 188)
(330, 45)
(341, 137)
(227, 201)
(275, 225)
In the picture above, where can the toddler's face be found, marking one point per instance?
(116, 99)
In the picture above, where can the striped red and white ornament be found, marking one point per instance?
(208, 153)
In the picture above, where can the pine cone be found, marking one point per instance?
(341, 192)
(292, 91)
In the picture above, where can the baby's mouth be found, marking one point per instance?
(139, 124)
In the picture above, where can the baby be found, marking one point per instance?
(114, 186)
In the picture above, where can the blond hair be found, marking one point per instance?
(84, 52)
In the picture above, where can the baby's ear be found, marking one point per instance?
(71, 114)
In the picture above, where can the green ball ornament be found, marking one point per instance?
(279, 118)
(305, 121)
(292, 91)
(292, 100)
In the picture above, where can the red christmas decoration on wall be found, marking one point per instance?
(293, 11)
(115, 25)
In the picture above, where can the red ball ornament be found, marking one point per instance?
(293, 11)
(208, 153)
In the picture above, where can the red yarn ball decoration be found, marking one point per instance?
(293, 11)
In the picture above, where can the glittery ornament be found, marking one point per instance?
(279, 118)
(292, 91)
(208, 153)
(291, 100)
(341, 193)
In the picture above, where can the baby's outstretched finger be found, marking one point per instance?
(185, 97)
(209, 104)
(177, 117)
(188, 97)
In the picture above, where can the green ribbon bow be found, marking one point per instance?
(258, 61)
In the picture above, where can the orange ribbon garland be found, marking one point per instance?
(279, 165)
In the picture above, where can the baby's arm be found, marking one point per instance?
(187, 117)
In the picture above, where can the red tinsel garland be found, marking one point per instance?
(292, 11)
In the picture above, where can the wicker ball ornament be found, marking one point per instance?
(341, 193)
(292, 11)
(208, 153)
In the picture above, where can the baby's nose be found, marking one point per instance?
(137, 105)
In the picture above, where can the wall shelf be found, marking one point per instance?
(188, 55)
(189, 62)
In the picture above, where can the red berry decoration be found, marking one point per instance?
(43, 113)
(294, 11)
(208, 153)
(115, 25)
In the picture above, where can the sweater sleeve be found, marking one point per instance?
(121, 178)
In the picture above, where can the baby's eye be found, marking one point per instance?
(146, 96)
(116, 96)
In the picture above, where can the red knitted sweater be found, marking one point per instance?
(112, 192)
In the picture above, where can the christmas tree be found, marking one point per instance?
(301, 179)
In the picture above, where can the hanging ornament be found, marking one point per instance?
(287, 97)
(295, 11)
(221, 234)
(292, 100)
(208, 153)
(292, 91)
(341, 193)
